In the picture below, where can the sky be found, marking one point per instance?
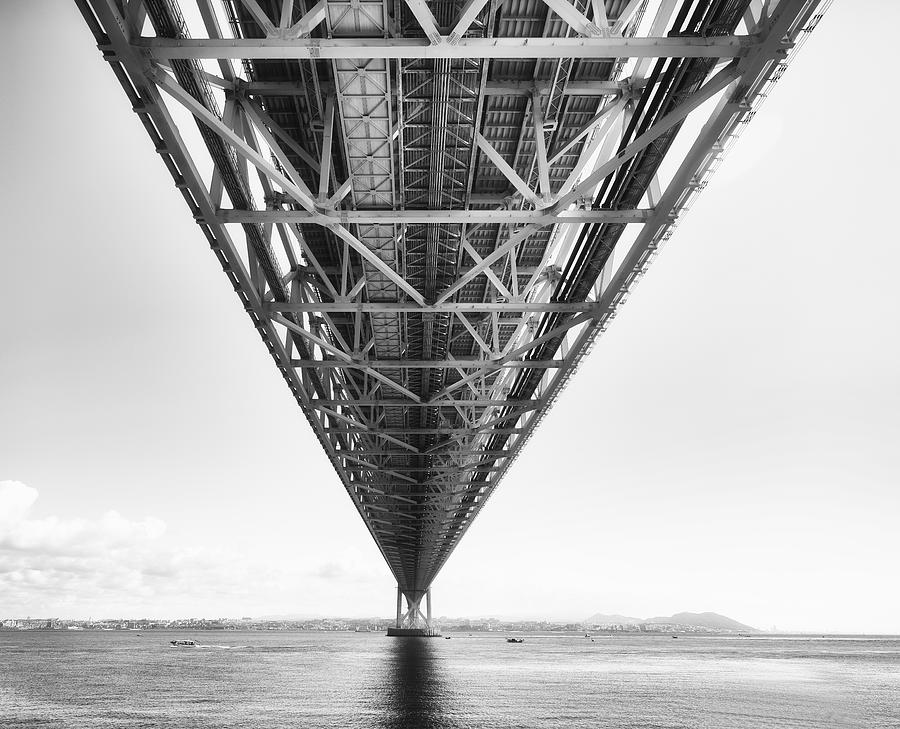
(730, 445)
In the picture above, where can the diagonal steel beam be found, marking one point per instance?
(712, 87)
(573, 17)
(595, 124)
(259, 15)
(540, 141)
(325, 156)
(313, 17)
(465, 19)
(514, 240)
(625, 16)
(508, 172)
(425, 19)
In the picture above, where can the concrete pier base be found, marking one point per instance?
(413, 633)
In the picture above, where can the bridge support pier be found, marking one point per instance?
(413, 622)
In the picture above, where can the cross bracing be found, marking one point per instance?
(430, 210)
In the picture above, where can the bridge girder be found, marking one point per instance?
(454, 204)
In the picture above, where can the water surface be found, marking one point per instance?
(282, 680)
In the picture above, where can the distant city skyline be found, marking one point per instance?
(730, 445)
(684, 622)
(674, 623)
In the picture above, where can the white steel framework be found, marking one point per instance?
(434, 208)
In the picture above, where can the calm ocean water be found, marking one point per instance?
(283, 680)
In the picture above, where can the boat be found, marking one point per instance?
(446, 637)
(184, 643)
(515, 640)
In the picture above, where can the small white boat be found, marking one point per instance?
(184, 643)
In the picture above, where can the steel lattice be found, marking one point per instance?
(443, 204)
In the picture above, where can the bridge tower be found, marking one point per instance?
(413, 622)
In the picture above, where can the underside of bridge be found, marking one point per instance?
(430, 210)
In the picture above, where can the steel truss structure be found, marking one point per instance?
(434, 208)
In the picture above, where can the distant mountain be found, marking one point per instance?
(602, 619)
(711, 621)
(707, 621)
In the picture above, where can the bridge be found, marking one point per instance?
(431, 210)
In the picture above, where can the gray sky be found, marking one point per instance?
(730, 445)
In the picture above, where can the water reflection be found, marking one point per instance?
(417, 693)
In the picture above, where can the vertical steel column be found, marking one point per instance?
(428, 606)
(399, 604)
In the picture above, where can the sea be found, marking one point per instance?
(293, 680)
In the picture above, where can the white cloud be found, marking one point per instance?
(112, 565)
(50, 561)
(15, 500)
(70, 536)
